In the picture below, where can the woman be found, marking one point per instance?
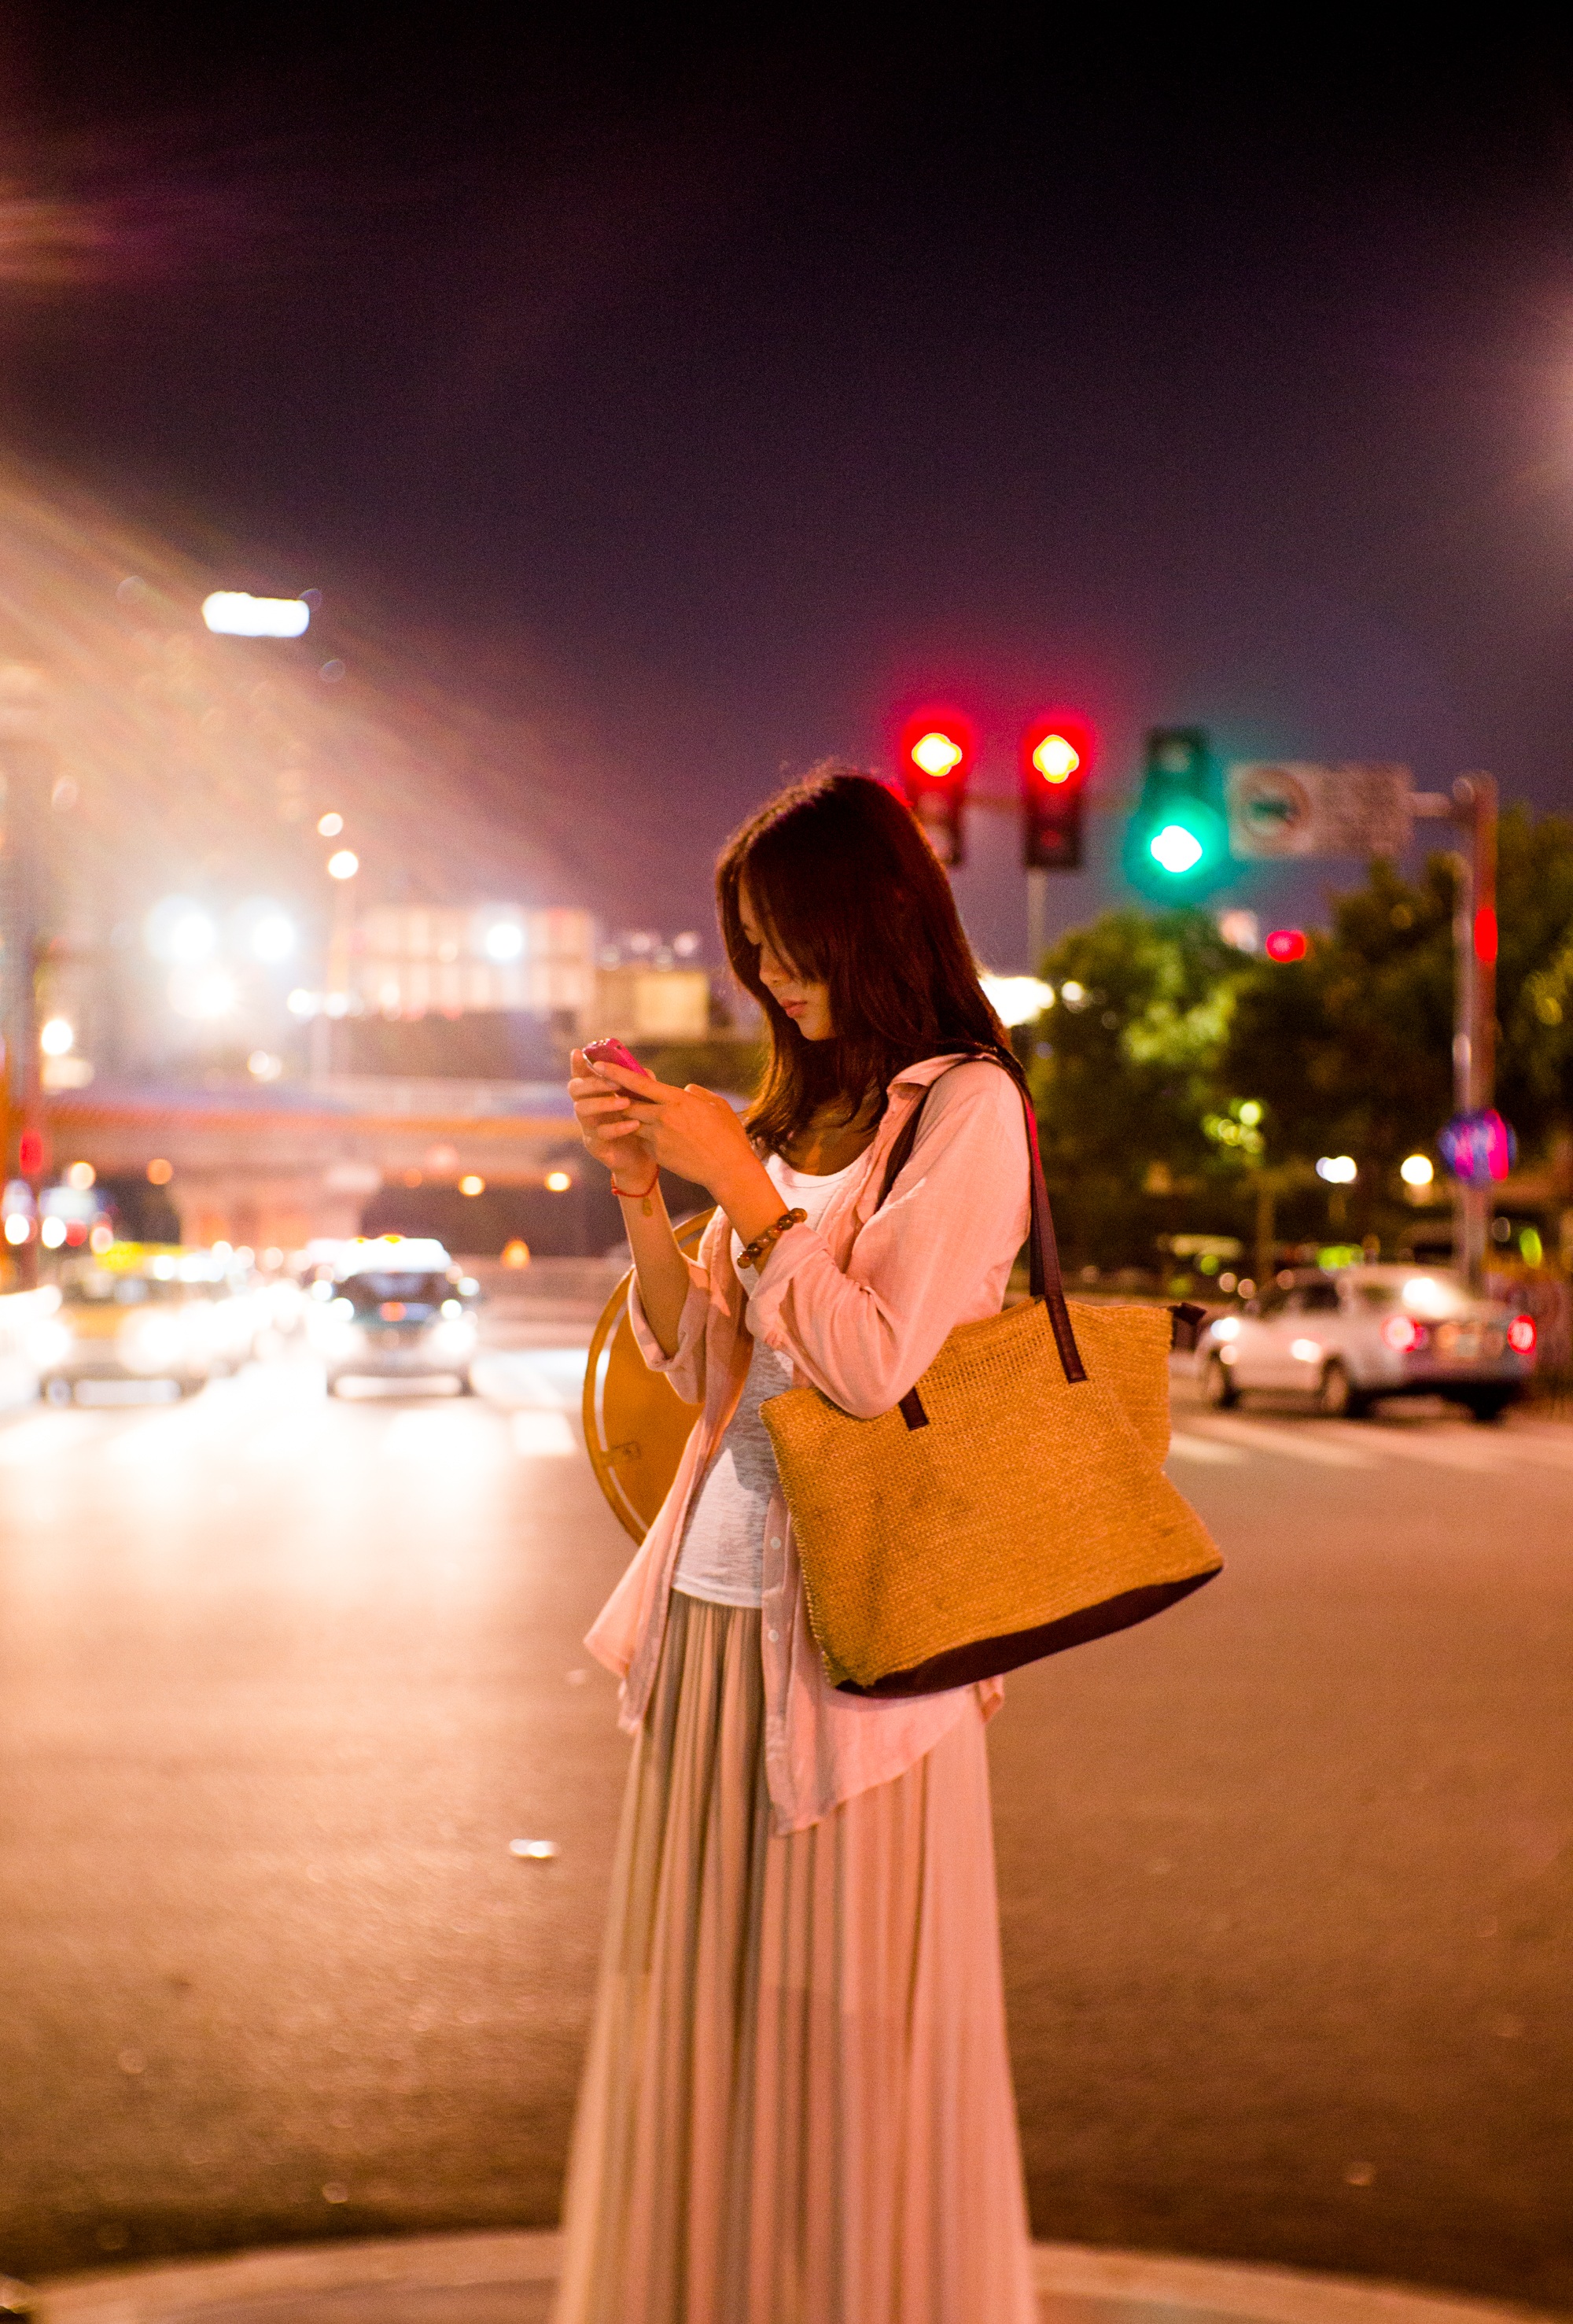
(798, 2105)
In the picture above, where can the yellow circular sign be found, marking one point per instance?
(635, 1426)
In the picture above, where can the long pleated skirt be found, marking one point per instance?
(796, 2108)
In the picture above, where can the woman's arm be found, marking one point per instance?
(637, 1126)
(613, 1140)
(955, 1219)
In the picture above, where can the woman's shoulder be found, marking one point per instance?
(978, 1087)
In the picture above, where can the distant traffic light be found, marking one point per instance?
(1176, 843)
(937, 750)
(1056, 759)
(1286, 944)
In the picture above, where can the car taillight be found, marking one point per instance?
(1404, 1334)
(1520, 1335)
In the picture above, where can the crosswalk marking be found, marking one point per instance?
(1182, 1446)
(1308, 1443)
(1444, 1448)
(1345, 1444)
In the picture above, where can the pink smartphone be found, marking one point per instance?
(611, 1052)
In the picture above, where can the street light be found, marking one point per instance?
(180, 932)
(1416, 1170)
(58, 1037)
(344, 865)
(232, 613)
(268, 931)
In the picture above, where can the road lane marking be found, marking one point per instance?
(1446, 1449)
(544, 1380)
(1185, 1447)
(538, 1432)
(1263, 1437)
(446, 1433)
(46, 1434)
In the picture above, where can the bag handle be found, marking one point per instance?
(1044, 1255)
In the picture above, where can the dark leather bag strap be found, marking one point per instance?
(1043, 1253)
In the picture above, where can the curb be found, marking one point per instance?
(1122, 2282)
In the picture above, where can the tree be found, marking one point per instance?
(1351, 1048)
(1174, 1072)
(1126, 1075)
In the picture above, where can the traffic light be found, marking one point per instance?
(1176, 843)
(937, 750)
(1285, 945)
(1056, 759)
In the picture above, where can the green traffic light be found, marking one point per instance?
(1177, 850)
(1176, 843)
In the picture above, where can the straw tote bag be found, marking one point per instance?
(1012, 1505)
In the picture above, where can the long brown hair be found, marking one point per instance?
(853, 898)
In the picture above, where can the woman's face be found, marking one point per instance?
(807, 1003)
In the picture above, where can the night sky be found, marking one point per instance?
(703, 396)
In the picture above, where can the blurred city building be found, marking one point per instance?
(290, 941)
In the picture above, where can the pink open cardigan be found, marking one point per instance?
(862, 1307)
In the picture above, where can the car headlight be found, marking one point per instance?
(454, 1336)
(153, 1341)
(51, 1344)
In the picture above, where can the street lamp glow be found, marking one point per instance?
(272, 937)
(1175, 849)
(472, 1184)
(936, 753)
(344, 865)
(1338, 1169)
(1017, 999)
(503, 941)
(58, 1037)
(232, 613)
(203, 994)
(557, 1181)
(329, 825)
(1416, 1170)
(180, 932)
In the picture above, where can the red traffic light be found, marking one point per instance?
(30, 1153)
(1057, 752)
(1286, 944)
(1056, 759)
(938, 746)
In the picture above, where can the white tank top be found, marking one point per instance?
(723, 1556)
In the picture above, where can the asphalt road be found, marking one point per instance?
(1287, 1877)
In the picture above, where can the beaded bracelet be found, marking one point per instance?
(752, 1253)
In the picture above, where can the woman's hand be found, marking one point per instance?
(691, 1131)
(611, 1135)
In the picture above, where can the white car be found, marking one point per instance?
(398, 1309)
(1347, 1339)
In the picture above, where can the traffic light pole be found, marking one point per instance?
(1472, 804)
(1037, 918)
(23, 776)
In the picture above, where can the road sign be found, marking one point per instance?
(1478, 1148)
(1291, 807)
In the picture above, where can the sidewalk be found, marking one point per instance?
(509, 2279)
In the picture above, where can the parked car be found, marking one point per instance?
(1347, 1340)
(396, 1308)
